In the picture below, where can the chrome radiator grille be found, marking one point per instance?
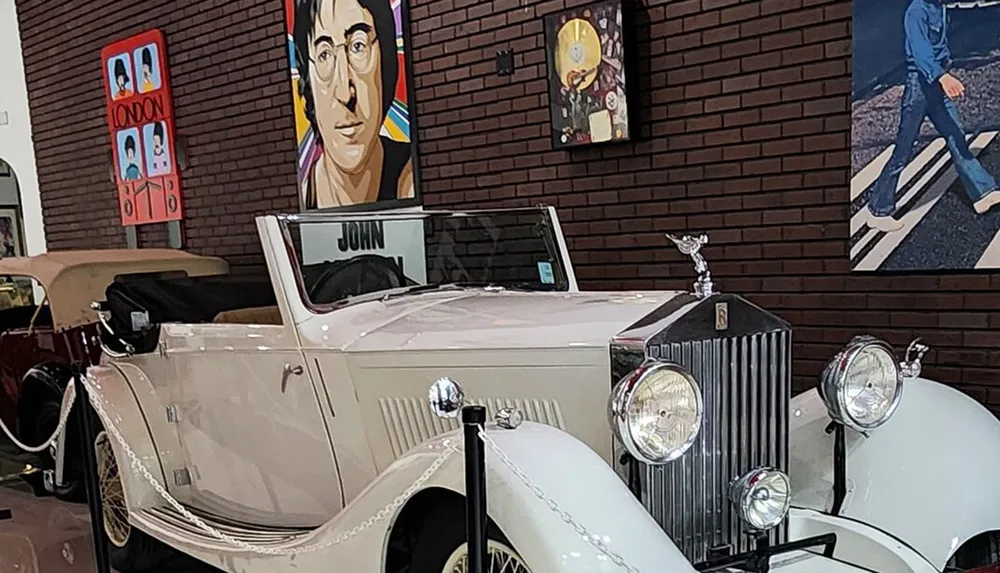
(746, 387)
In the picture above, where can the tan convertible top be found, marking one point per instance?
(74, 279)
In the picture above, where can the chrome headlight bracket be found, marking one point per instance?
(832, 388)
(624, 395)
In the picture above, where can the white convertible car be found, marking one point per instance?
(284, 425)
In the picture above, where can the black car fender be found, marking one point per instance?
(41, 383)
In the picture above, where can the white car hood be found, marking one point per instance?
(476, 319)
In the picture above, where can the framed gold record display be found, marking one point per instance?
(591, 74)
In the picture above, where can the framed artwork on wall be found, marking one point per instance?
(10, 233)
(140, 111)
(925, 141)
(360, 154)
(591, 74)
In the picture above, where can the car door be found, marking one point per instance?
(254, 436)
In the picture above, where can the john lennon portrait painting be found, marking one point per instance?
(925, 153)
(589, 75)
(352, 108)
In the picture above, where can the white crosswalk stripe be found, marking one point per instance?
(990, 258)
(914, 167)
(939, 184)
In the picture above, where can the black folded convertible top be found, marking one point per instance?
(184, 299)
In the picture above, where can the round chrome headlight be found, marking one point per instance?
(656, 412)
(762, 498)
(862, 385)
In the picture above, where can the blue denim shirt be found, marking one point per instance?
(926, 27)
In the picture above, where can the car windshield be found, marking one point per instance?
(353, 258)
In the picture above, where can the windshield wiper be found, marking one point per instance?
(485, 285)
(417, 289)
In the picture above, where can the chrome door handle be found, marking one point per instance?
(288, 371)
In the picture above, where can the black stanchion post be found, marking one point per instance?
(86, 431)
(474, 417)
(839, 469)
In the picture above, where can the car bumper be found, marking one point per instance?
(807, 562)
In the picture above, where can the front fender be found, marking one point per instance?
(109, 386)
(582, 484)
(928, 477)
(859, 544)
(585, 487)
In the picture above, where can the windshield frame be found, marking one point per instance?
(286, 220)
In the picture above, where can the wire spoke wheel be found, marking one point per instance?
(500, 559)
(113, 506)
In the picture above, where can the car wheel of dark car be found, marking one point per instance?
(47, 421)
(38, 418)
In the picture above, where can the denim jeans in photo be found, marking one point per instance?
(921, 99)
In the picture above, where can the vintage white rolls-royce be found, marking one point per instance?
(285, 425)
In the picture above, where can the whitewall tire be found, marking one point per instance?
(501, 558)
(114, 511)
(130, 550)
(440, 545)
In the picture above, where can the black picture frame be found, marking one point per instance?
(629, 61)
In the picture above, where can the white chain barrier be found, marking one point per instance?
(137, 465)
(69, 396)
(389, 510)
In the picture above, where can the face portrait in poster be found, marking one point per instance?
(121, 76)
(925, 152)
(353, 118)
(147, 68)
(157, 151)
(129, 154)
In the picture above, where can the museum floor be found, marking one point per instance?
(44, 535)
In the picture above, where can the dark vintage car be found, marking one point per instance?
(41, 339)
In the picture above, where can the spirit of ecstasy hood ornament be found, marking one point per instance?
(691, 246)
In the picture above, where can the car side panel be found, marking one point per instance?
(927, 477)
(161, 436)
(541, 536)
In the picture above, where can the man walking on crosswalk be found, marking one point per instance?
(931, 92)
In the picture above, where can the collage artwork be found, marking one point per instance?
(587, 75)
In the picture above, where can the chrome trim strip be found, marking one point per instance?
(321, 217)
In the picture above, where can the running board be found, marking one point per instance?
(169, 523)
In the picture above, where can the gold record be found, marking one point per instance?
(578, 54)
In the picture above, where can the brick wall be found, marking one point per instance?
(745, 124)
(229, 73)
(745, 136)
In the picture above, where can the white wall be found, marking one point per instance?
(16, 147)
